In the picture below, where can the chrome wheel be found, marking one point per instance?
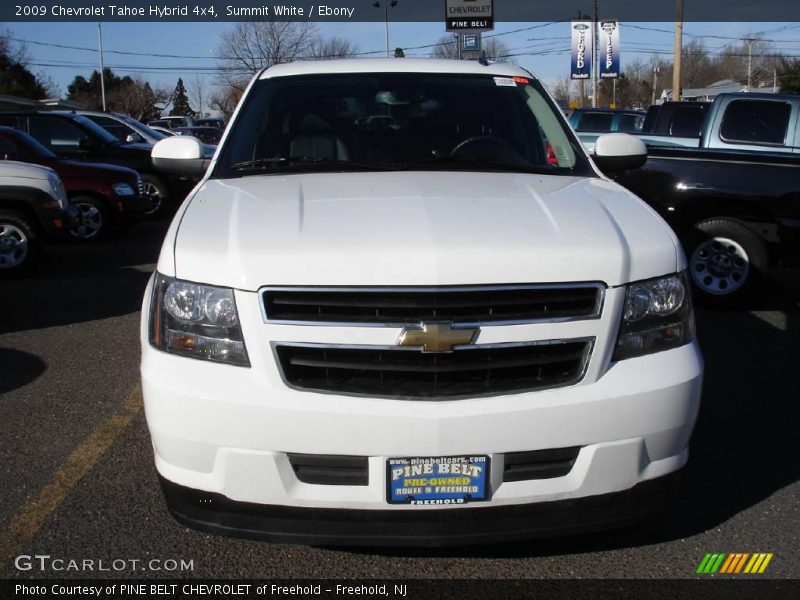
(90, 221)
(719, 266)
(13, 246)
(156, 196)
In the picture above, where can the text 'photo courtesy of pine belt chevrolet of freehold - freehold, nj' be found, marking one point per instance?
(400, 299)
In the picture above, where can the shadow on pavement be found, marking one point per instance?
(18, 368)
(76, 283)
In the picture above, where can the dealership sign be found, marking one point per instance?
(581, 50)
(469, 15)
(608, 48)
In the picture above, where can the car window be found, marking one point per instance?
(56, 134)
(595, 122)
(756, 121)
(631, 123)
(688, 121)
(399, 121)
(8, 150)
(112, 126)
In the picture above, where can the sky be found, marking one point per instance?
(543, 48)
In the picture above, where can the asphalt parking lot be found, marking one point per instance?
(79, 481)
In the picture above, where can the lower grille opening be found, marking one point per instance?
(391, 372)
(329, 469)
(539, 464)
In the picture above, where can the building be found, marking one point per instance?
(706, 94)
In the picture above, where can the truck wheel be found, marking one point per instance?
(727, 261)
(19, 243)
(155, 188)
(92, 219)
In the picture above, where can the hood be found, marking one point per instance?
(14, 168)
(70, 169)
(417, 228)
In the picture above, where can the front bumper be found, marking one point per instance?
(214, 513)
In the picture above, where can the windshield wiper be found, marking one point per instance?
(306, 162)
(492, 163)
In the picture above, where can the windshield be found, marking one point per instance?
(399, 121)
(98, 132)
(141, 127)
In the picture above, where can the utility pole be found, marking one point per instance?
(655, 83)
(594, 54)
(749, 62)
(458, 44)
(387, 4)
(102, 67)
(676, 69)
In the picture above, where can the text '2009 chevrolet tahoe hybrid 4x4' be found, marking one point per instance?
(404, 307)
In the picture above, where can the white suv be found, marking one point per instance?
(404, 307)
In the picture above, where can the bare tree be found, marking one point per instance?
(332, 48)
(225, 98)
(198, 93)
(561, 89)
(137, 98)
(447, 47)
(252, 45)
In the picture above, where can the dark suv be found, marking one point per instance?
(70, 135)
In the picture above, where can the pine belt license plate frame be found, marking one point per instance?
(433, 482)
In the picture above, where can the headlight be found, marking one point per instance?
(200, 321)
(123, 189)
(657, 316)
(57, 190)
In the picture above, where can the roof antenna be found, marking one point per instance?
(482, 60)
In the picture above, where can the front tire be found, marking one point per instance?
(727, 262)
(19, 243)
(92, 219)
(155, 188)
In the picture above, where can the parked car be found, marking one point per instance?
(33, 209)
(207, 135)
(676, 119)
(163, 124)
(211, 122)
(737, 213)
(103, 195)
(70, 135)
(383, 317)
(164, 130)
(754, 122)
(124, 128)
(177, 121)
(604, 120)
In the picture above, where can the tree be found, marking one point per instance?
(198, 93)
(15, 78)
(180, 102)
(225, 98)
(253, 45)
(332, 48)
(447, 47)
(561, 89)
(788, 73)
(139, 99)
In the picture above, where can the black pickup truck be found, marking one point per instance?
(736, 212)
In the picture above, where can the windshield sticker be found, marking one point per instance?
(505, 81)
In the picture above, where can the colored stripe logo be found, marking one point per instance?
(735, 562)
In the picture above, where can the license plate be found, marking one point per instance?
(438, 480)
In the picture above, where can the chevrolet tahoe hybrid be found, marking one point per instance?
(404, 307)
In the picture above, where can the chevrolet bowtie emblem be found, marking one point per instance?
(438, 336)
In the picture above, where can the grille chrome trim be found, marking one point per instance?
(596, 312)
(580, 373)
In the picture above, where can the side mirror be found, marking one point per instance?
(615, 152)
(180, 155)
(134, 138)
